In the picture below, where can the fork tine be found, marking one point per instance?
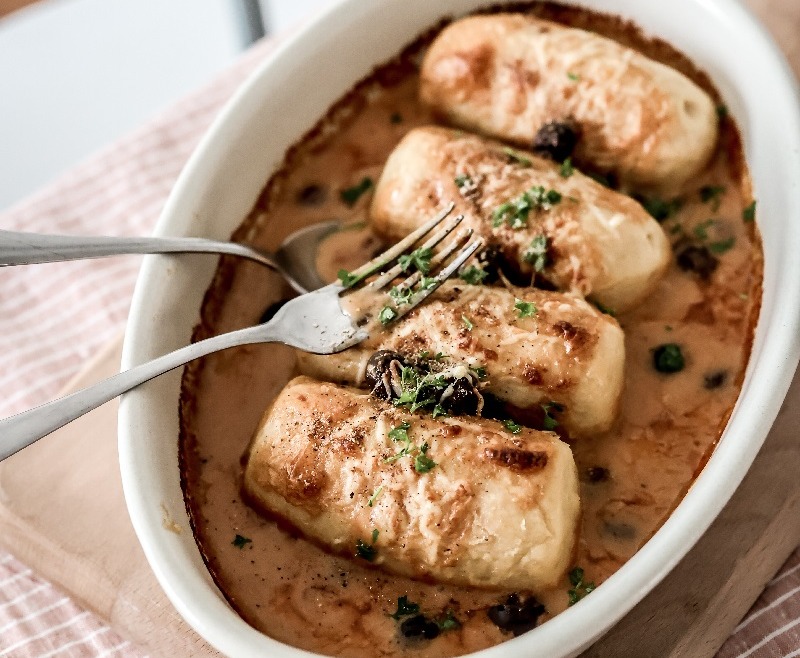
(380, 261)
(386, 278)
(440, 278)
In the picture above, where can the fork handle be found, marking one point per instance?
(19, 248)
(21, 430)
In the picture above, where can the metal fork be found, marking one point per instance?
(315, 322)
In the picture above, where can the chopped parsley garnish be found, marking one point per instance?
(536, 254)
(418, 390)
(348, 280)
(386, 315)
(426, 283)
(473, 275)
(396, 117)
(549, 422)
(240, 541)
(661, 209)
(438, 410)
(480, 371)
(516, 211)
(403, 452)
(580, 588)
(467, 323)
(668, 358)
(425, 355)
(375, 534)
(566, 169)
(701, 230)
(749, 213)
(448, 622)
(525, 309)
(517, 157)
(374, 496)
(366, 551)
(511, 426)
(573, 76)
(423, 463)
(420, 259)
(712, 194)
(405, 608)
(721, 246)
(401, 295)
(352, 194)
(722, 111)
(462, 180)
(400, 433)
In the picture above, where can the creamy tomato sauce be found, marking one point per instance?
(631, 477)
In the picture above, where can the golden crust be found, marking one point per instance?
(506, 75)
(600, 243)
(497, 510)
(567, 352)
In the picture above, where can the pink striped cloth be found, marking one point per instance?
(54, 317)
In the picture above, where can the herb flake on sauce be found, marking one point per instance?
(549, 422)
(668, 358)
(405, 608)
(240, 542)
(580, 588)
(749, 213)
(366, 551)
(661, 209)
(712, 194)
(350, 195)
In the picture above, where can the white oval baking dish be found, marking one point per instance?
(278, 104)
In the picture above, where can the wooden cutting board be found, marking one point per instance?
(62, 512)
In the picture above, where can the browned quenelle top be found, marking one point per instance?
(632, 476)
